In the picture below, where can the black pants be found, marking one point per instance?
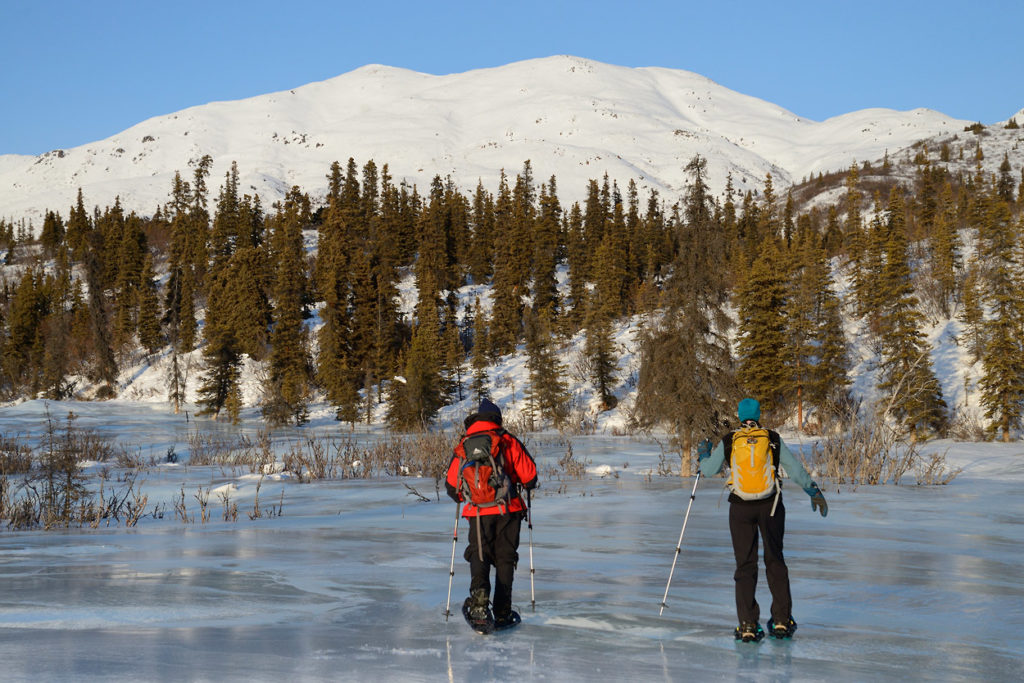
(747, 519)
(500, 543)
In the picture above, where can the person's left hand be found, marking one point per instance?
(817, 500)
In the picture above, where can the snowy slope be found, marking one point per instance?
(573, 118)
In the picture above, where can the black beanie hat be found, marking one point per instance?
(488, 411)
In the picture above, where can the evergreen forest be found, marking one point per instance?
(730, 293)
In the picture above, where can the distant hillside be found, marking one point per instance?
(572, 118)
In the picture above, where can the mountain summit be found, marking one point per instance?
(573, 118)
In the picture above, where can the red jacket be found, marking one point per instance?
(519, 465)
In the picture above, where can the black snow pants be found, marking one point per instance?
(747, 520)
(500, 542)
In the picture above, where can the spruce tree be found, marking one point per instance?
(78, 227)
(131, 255)
(479, 359)
(433, 235)
(1005, 183)
(518, 247)
(57, 329)
(686, 379)
(546, 250)
(52, 234)
(761, 346)
(481, 248)
(507, 310)
(454, 357)
(150, 334)
(1002, 382)
(815, 350)
(832, 241)
(104, 369)
(221, 357)
(578, 264)
(972, 313)
(911, 391)
(944, 253)
(248, 304)
(415, 399)
(226, 307)
(179, 306)
(600, 350)
(287, 390)
(335, 362)
(547, 395)
(366, 327)
(22, 352)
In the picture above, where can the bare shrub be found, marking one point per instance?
(230, 507)
(578, 420)
(258, 512)
(571, 466)
(202, 497)
(520, 423)
(430, 455)
(867, 447)
(205, 448)
(933, 470)
(15, 456)
(967, 426)
(181, 510)
(235, 451)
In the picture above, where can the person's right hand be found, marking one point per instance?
(703, 450)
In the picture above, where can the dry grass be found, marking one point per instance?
(866, 447)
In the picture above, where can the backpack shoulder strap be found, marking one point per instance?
(775, 442)
(727, 444)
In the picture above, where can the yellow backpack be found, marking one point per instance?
(753, 454)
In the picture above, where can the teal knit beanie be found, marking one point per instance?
(749, 409)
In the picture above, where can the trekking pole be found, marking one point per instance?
(451, 569)
(529, 525)
(679, 544)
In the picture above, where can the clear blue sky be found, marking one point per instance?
(76, 71)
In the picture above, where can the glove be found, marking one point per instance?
(703, 450)
(453, 492)
(817, 499)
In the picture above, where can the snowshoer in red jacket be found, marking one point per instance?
(487, 471)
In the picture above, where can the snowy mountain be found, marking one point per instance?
(573, 118)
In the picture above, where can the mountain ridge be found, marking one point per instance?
(574, 118)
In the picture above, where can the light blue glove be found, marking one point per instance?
(703, 450)
(817, 499)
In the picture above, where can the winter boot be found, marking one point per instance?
(478, 605)
(749, 632)
(782, 629)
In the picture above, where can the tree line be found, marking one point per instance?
(734, 293)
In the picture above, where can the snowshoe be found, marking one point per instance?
(749, 633)
(477, 612)
(781, 631)
(505, 621)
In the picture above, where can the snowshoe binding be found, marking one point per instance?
(749, 633)
(782, 630)
(477, 611)
(506, 621)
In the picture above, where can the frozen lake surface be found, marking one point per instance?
(350, 581)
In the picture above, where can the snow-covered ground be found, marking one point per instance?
(350, 581)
